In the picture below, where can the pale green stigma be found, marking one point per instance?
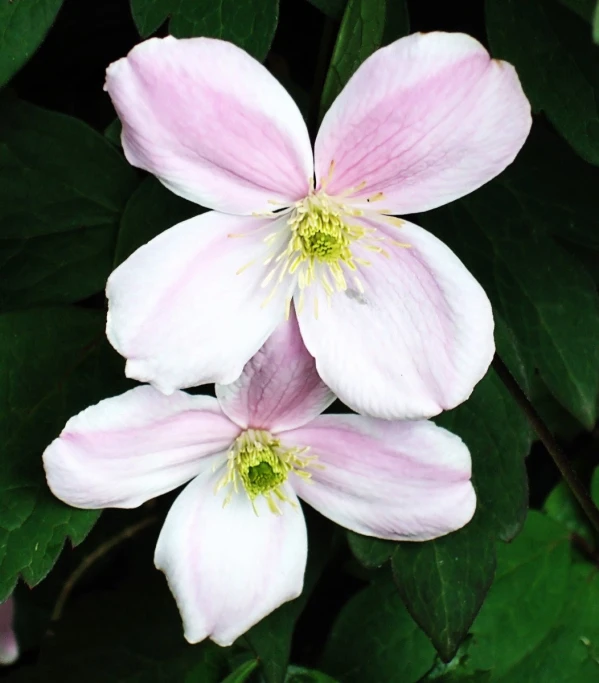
(261, 464)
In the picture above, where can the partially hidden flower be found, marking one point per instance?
(398, 326)
(9, 648)
(233, 546)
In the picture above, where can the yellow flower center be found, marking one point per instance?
(258, 463)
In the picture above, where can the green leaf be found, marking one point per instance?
(584, 8)
(499, 439)
(54, 362)
(113, 131)
(375, 639)
(250, 24)
(270, 639)
(369, 551)
(528, 594)
(561, 506)
(332, 8)
(360, 34)
(596, 24)
(557, 63)
(443, 583)
(62, 190)
(242, 672)
(298, 674)
(24, 25)
(151, 209)
(595, 486)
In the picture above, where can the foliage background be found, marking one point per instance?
(514, 596)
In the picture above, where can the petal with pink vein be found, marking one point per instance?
(134, 447)
(418, 339)
(279, 387)
(186, 308)
(403, 481)
(426, 120)
(211, 123)
(229, 567)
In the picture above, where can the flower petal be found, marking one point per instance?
(136, 446)
(418, 339)
(229, 567)
(426, 120)
(279, 387)
(404, 481)
(212, 123)
(9, 648)
(181, 311)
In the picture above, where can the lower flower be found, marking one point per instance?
(234, 544)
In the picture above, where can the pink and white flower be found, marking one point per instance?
(9, 648)
(398, 326)
(233, 546)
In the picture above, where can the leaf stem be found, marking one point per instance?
(548, 440)
(90, 559)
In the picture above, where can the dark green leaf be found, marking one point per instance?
(150, 210)
(557, 63)
(360, 34)
(297, 674)
(443, 582)
(584, 8)
(62, 190)
(528, 594)
(250, 24)
(596, 24)
(499, 439)
(561, 506)
(375, 639)
(113, 131)
(371, 552)
(595, 487)
(56, 174)
(242, 672)
(23, 26)
(54, 362)
(332, 8)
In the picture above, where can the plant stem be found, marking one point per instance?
(548, 440)
(93, 557)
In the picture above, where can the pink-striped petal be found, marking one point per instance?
(211, 123)
(426, 120)
(418, 339)
(229, 567)
(9, 648)
(133, 447)
(185, 310)
(403, 481)
(279, 387)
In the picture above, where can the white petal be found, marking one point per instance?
(131, 448)
(229, 567)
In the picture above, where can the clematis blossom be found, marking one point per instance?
(233, 546)
(9, 648)
(398, 326)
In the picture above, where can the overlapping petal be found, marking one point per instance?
(229, 567)
(212, 123)
(184, 310)
(403, 481)
(426, 120)
(416, 341)
(134, 447)
(279, 387)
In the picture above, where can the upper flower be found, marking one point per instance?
(250, 453)
(398, 326)
(9, 648)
